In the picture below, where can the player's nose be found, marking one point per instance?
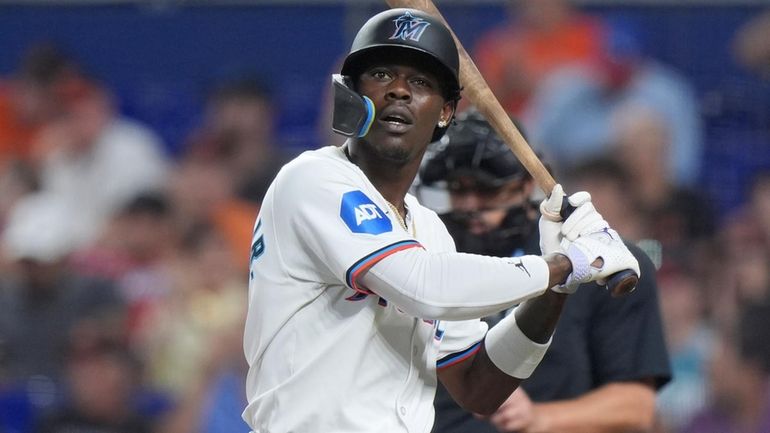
(398, 89)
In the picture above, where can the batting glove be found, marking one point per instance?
(550, 222)
(584, 219)
(596, 256)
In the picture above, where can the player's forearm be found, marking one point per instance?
(537, 318)
(614, 408)
(478, 385)
(483, 383)
(456, 286)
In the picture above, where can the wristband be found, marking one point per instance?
(512, 351)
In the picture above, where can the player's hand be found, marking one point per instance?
(583, 219)
(517, 414)
(550, 222)
(596, 256)
(550, 208)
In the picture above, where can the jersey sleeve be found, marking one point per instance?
(627, 341)
(339, 224)
(459, 341)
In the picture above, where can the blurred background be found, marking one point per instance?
(138, 137)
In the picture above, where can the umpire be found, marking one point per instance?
(608, 356)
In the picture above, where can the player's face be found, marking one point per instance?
(408, 105)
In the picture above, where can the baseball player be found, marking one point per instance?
(358, 301)
(608, 355)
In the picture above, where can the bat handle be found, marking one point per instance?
(620, 283)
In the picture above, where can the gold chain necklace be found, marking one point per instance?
(401, 220)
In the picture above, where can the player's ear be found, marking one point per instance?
(447, 113)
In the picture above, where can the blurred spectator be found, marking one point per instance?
(214, 398)
(96, 158)
(31, 97)
(749, 223)
(137, 251)
(102, 377)
(690, 341)
(28, 99)
(41, 298)
(679, 217)
(739, 374)
(202, 192)
(540, 37)
(572, 113)
(751, 45)
(609, 184)
(207, 304)
(17, 179)
(738, 267)
(238, 132)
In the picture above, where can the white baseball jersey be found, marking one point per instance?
(326, 355)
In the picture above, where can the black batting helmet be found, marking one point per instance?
(407, 29)
(471, 153)
(412, 32)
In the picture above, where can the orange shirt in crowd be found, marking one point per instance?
(15, 135)
(513, 59)
(235, 221)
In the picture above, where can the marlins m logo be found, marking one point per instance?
(409, 27)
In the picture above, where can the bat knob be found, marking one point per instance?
(622, 283)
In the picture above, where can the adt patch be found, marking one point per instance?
(363, 216)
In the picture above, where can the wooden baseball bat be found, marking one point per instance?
(476, 89)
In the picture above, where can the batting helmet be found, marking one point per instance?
(407, 29)
(470, 153)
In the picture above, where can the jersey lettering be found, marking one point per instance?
(257, 246)
(439, 327)
(361, 215)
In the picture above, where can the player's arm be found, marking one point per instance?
(630, 360)
(612, 408)
(454, 286)
(484, 381)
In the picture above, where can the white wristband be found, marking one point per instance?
(511, 351)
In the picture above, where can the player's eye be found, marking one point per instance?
(422, 82)
(379, 74)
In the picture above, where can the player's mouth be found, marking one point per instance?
(395, 119)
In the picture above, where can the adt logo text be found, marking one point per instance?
(409, 27)
(361, 215)
(366, 212)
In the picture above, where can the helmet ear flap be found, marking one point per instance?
(353, 113)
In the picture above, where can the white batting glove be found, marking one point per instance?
(584, 220)
(550, 208)
(550, 222)
(604, 245)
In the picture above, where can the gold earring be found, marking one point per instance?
(442, 124)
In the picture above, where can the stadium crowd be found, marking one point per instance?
(123, 269)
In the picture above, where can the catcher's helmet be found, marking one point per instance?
(471, 154)
(407, 29)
